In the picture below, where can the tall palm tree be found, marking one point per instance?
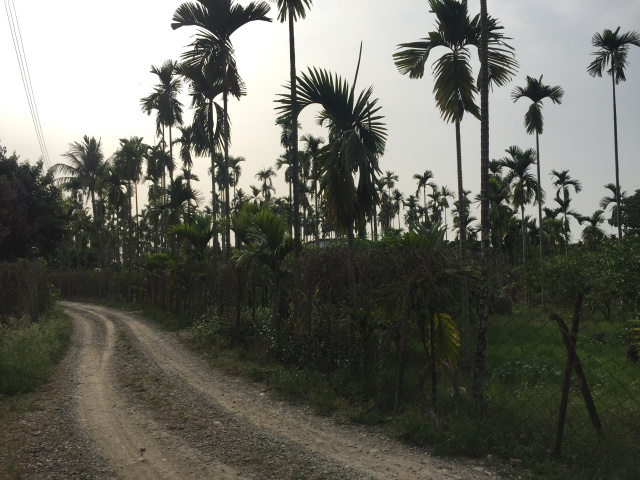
(524, 183)
(611, 57)
(217, 21)
(593, 234)
(265, 176)
(87, 164)
(423, 181)
(536, 91)
(313, 145)
(389, 180)
(445, 194)
(129, 159)
(454, 87)
(292, 10)
(398, 203)
(235, 170)
(164, 100)
(357, 138)
(612, 199)
(563, 182)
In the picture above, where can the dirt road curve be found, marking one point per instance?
(210, 425)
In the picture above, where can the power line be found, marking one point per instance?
(16, 36)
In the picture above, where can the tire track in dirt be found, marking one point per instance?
(119, 434)
(368, 453)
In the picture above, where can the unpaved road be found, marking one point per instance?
(153, 410)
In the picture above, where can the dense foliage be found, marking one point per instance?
(33, 215)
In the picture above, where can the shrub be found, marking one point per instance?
(29, 351)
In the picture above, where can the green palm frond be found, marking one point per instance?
(612, 52)
(445, 344)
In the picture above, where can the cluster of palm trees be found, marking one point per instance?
(335, 183)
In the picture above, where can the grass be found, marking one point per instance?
(30, 350)
(29, 353)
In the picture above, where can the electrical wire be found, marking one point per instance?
(16, 36)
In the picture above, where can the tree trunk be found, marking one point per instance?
(615, 140)
(294, 135)
(225, 101)
(214, 207)
(485, 219)
(464, 297)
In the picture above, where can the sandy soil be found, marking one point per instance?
(119, 430)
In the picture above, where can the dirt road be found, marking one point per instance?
(152, 409)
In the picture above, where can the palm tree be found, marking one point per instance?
(454, 87)
(291, 10)
(524, 184)
(536, 91)
(265, 176)
(612, 199)
(563, 182)
(593, 234)
(389, 180)
(236, 170)
(398, 203)
(423, 181)
(357, 138)
(216, 21)
(312, 148)
(445, 194)
(86, 164)
(612, 54)
(164, 100)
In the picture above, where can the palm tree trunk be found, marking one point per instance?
(294, 135)
(485, 219)
(424, 202)
(131, 239)
(461, 203)
(464, 300)
(225, 101)
(214, 207)
(524, 236)
(615, 140)
(540, 230)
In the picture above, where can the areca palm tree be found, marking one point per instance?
(292, 10)
(593, 234)
(265, 176)
(563, 182)
(454, 87)
(611, 57)
(398, 203)
(536, 91)
(612, 199)
(86, 163)
(524, 183)
(443, 201)
(164, 100)
(423, 181)
(217, 21)
(313, 145)
(357, 138)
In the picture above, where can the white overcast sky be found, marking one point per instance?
(89, 64)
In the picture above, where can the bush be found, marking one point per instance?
(29, 351)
